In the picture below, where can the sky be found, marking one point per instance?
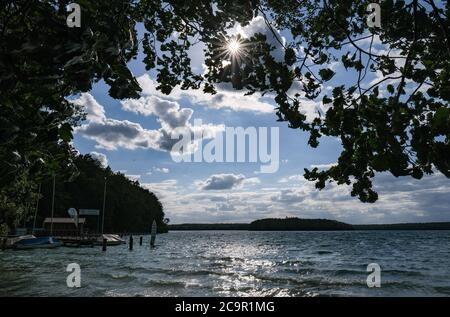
(134, 137)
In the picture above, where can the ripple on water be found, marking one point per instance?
(241, 264)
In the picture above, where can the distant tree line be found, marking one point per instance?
(285, 224)
(210, 226)
(298, 224)
(406, 226)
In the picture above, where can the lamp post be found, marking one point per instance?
(37, 207)
(104, 204)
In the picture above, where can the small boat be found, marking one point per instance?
(111, 239)
(37, 243)
(10, 241)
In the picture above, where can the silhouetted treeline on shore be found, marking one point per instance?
(269, 224)
(298, 224)
(129, 207)
(406, 226)
(210, 226)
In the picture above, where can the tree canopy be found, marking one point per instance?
(293, 224)
(399, 123)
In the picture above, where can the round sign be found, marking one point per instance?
(72, 212)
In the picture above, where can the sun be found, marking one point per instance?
(234, 47)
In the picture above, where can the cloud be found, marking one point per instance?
(161, 170)
(95, 111)
(290, 196)
(252, 181)
(168, 112)
(226, 181)
(100, 157)
(292, 178)
(165, 190)
(222, 181)
(132, 177)
(323, 166)
(225, 98)
(111, 134)
(401, 200)
(222, 207)
(258, 25)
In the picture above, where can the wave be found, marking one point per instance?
(324, 252)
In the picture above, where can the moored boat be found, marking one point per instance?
(10, 241)
(111, 239)
(37, 243)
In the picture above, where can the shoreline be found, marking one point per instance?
(365, 227)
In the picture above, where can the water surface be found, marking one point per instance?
(240, 263)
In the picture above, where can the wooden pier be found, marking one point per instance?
(79, 241)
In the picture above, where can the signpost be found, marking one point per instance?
(73, 214)
(89, 212)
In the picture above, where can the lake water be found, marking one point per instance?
(240, 263)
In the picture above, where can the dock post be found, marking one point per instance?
(131, 243)
(140, 240)
(104, 244)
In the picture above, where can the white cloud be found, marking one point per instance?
(258, 25)
(100, 157)
(168, 112)
(95, 111)
(290, 196)
(165, 190)
(292, 178)
(132, 177)
(222, 181)
(219, 207)
(252, 181)
(226, 181)
(225, 98)
(111, 134)
(323, 166)
(401, 200)
(163, 170)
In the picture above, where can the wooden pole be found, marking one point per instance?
(140, 241)
(104, 245)
(131, 243)
(104, 204)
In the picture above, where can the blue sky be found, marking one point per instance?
(131, 136)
